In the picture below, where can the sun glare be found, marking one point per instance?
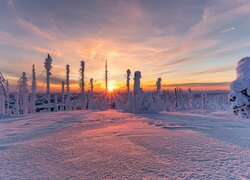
(111, 86)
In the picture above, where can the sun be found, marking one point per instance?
(111, 86)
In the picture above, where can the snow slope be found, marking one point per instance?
(116, 145)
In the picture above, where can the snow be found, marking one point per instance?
(243, 67)
(240, 89)
(116, 145)
(238, 85)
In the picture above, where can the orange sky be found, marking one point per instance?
(193, 44)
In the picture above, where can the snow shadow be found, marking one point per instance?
(224, 129)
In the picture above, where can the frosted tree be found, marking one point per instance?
(176, 97)
(91, 86)
(63, 96)
(128, 83)
(147, 104)
(106, 76)
(137, 83)
(23, 93)
(33, 91)
(90, 97)
(48, 67)
(137, 91)
(17, 101)
(190, 99)
(67, 88)
(181, 99)
(158, 102)
(7, 97)
(167, 100)
(2, 101)
(82, 83)
(158, 85)
(128, 104)
(56, 102)
(240, 89)
(2, 94)
(203, 101)
(67, 79)
(142, 101)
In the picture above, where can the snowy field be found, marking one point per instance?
(116, 145)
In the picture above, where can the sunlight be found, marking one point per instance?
(111, 86)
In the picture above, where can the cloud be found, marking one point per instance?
(228, 30)
(156, 39)
(198, 84)
(27, 25)
(4, 34)
(214, 70)
(206, 13)
(207, 25)
(216, 21)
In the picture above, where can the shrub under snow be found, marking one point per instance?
(240, 89)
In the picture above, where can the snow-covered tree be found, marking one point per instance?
(2, 100)
(158, 103)
(4, 94)
(106, 76)
(129, 101)
(48, 67)
(128, 83)
(23, 93)
(8, 97)
(190, 99)
(67, 88)
(204, 101)
(63, 100)
(91, 86)
(177, 98)
(82, 83)
(33, 91)
(89, 100)
(56, 103)
(240, 89)
(158, 85)
(168, 100)
(137, 91)
(82, 86)
(17, 106)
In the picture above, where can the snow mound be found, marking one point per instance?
(240, 89)
(243, 68)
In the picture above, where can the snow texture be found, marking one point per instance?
(115, 145)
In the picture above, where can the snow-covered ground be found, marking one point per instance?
(116, 145)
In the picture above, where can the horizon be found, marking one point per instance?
(118, 86)
(188, 44)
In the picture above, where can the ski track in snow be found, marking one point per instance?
(116, 145)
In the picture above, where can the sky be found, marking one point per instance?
(191, 43)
